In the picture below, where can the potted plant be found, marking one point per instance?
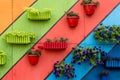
(2, 58)
(63, 69)
(72, 19)
(35, 14)
(33, 56)
(83, 54)
(112, 62)
(103, 75)
(108, 34)
(89, 6)
(19, 37)
(56, 44)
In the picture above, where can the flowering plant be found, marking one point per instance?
(107, 33)
(63, 69)
(83, 54)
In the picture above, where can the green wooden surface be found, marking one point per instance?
(15, 52)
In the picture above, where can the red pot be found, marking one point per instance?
(33, 59)
(72, 20)
(55, 45)
(89, 8)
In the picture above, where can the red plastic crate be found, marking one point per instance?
(55, 45)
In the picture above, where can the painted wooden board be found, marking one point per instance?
(45, 66)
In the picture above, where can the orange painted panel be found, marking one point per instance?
(10, 10)
(5, 14)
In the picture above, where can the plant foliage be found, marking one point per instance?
(84, 54)
(89, 2)
(108, 34)
(63, 69)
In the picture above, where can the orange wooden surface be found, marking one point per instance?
(24, 71)
(10, 10)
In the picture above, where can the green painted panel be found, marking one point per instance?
(15, 52)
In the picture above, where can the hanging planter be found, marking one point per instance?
(112, 62)
(35, 14)
(33, 56)
(58, 44)
(2, 58)
(107, 34)
(63, 69)
(84, 54)
(89, 6)
(72, 19)
(19, 37)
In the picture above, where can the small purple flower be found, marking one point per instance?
(78, 50)
(101, 24)
(111, 29)
(118, 37)
(73, 48)
(79, 63)
(85, 51)
(98, 29)
(85, 59)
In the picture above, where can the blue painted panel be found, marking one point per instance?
(114, 74)
(84, 68)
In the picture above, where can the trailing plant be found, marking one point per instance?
(83, 54)
(34, 52)
(63, 69)
(89, 2)
(71, 13)
(108, 33)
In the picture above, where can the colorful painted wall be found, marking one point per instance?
(14, 17)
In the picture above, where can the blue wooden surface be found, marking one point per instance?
(112, 19)
(114, 74)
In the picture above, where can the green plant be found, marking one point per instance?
(57, 40)
(48, 40)
(63, 69)
(107, 33)
(19, 34)
(104, 73)
(35, 52)
(63, 39)
(36, 11)
(35, 14)
(83, 54)
(71, 13)
(89, 2)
